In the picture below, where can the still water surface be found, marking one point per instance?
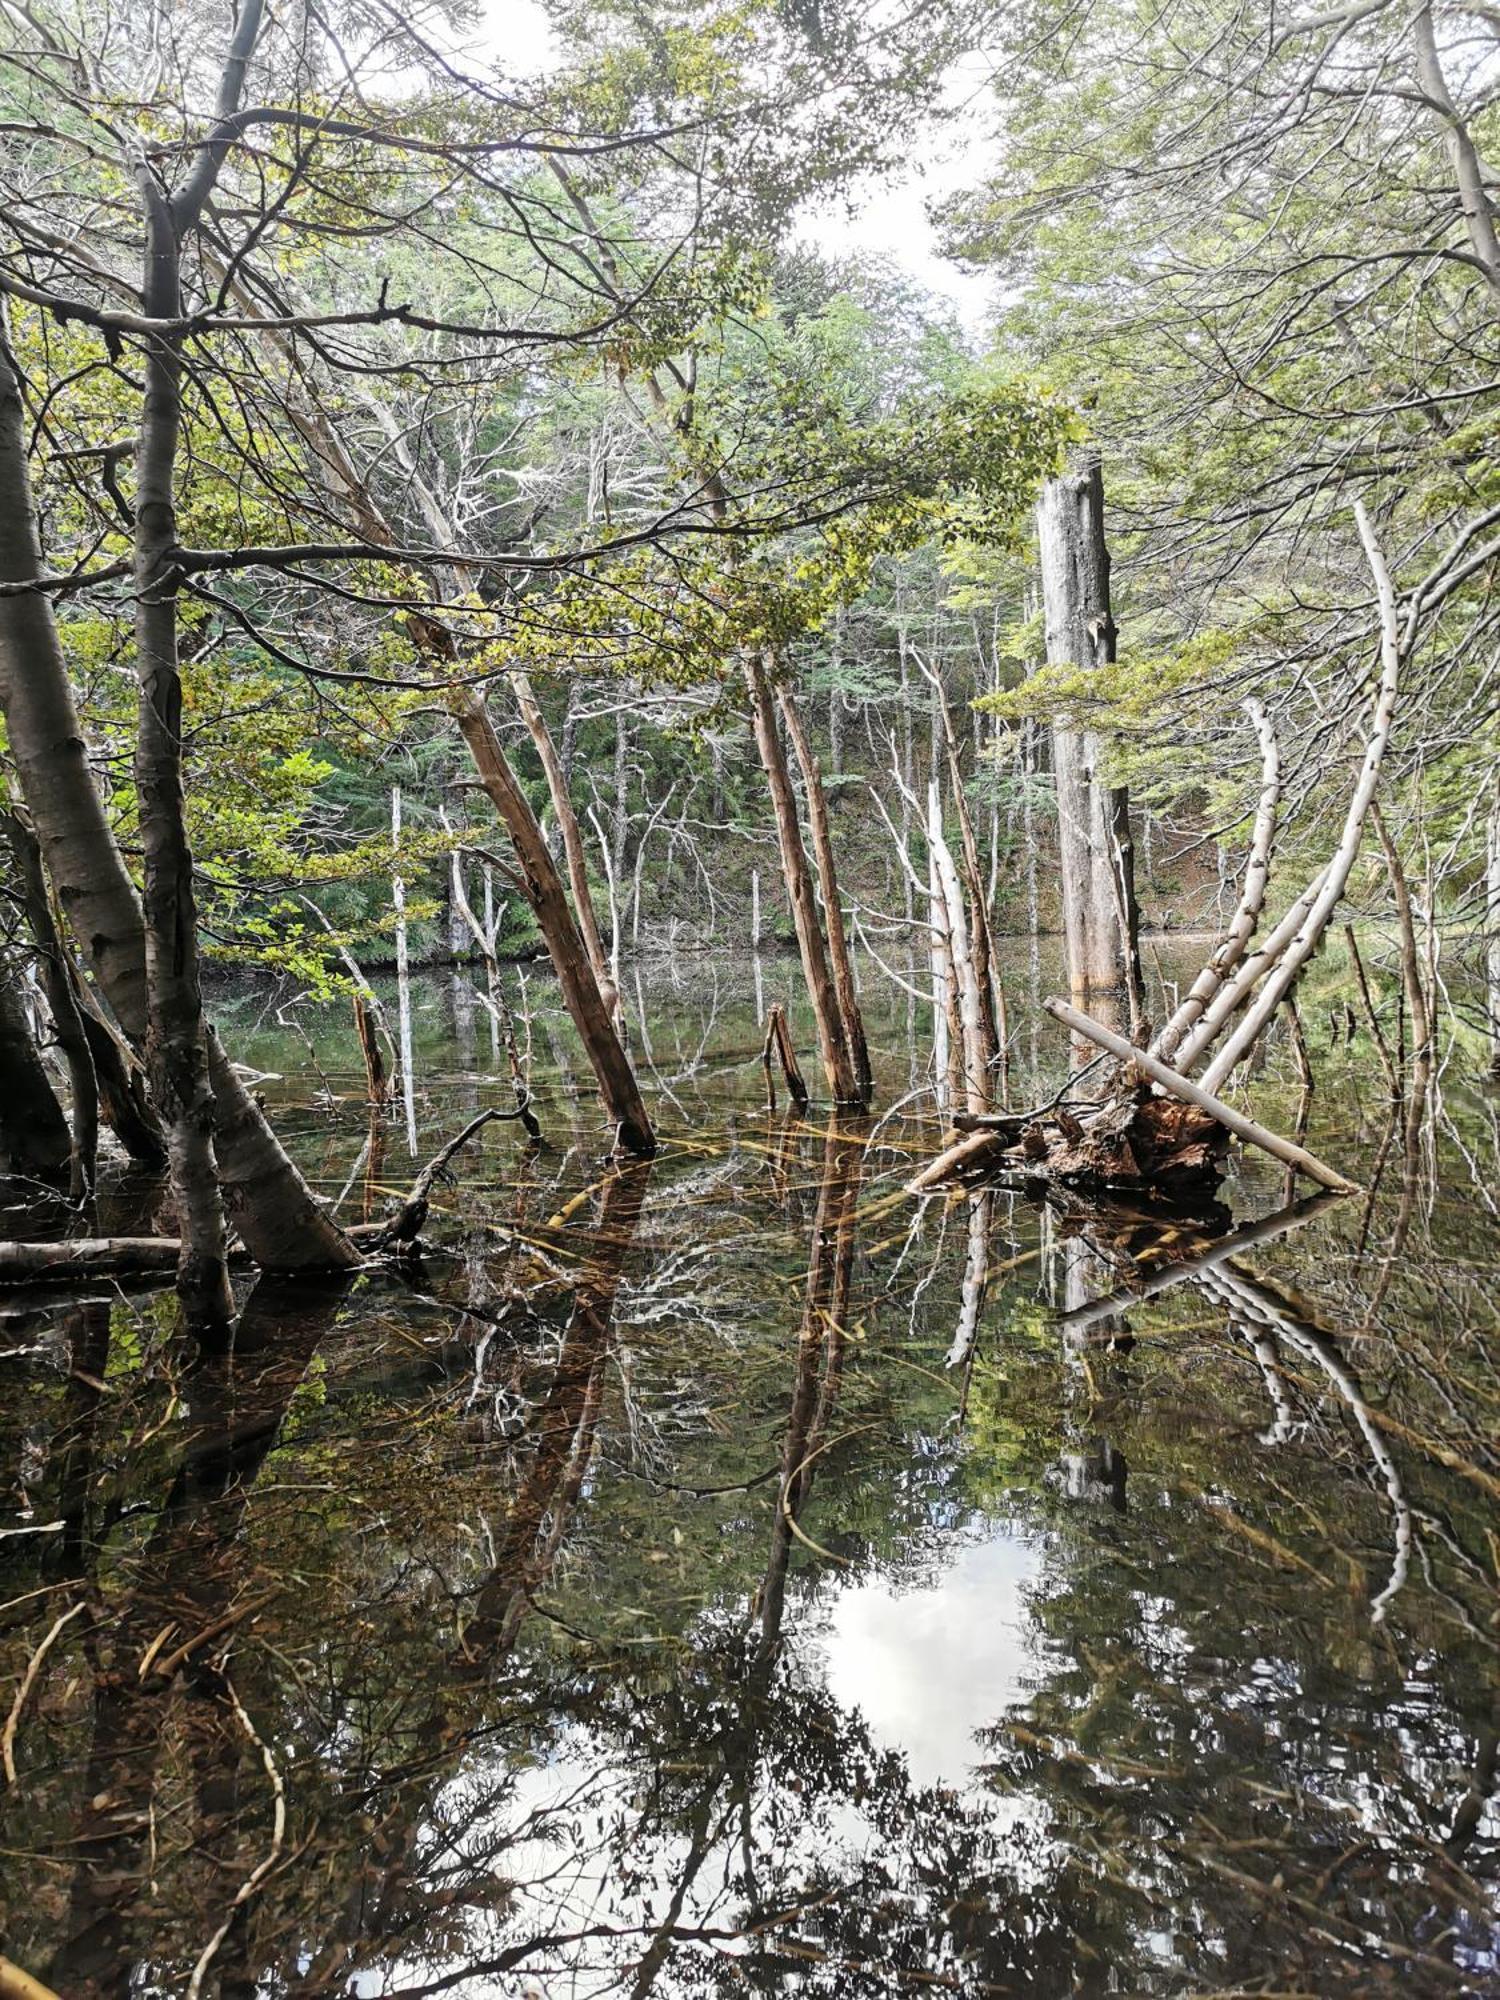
(730, 1575)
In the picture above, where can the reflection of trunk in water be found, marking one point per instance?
(1266, 1319)
(1259, 1305)
(1093, 1470)
(71, 1471)
(563, 1431)
(820, 1363)
(561, 1434)
(191, 1572)
(973, 1285)
(815, 1388)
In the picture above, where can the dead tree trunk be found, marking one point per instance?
(833, 1047)
(778, 1042)
(1137, 1138)
(544, 892)
(980, 938)
(1236, 940)
(1100, 919)
(572, 841)
(833, 911)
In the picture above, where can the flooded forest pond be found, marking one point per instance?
(734, 1575)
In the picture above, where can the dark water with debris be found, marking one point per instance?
(731, 1575)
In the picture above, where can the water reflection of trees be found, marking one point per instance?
(541, 1674)
(1304, 1803)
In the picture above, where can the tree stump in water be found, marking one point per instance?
(1138, 1139)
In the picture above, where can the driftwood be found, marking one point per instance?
(1196, 1098)
(406, 1224)
(1135, 1138)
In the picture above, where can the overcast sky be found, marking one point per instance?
(890, 214)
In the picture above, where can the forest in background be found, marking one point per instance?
(449, 512)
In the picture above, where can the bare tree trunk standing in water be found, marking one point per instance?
(840, 960)
(1096, 855)
(833, 1045)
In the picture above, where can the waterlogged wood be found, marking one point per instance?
(407, 1222)
(1192, 1093)
(87, 1257)
(838, 942)
(971, 1151)
(779, 1041)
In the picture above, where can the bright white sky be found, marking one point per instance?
(889, 217)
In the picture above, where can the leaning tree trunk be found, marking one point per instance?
(833, 910)
(556, 775)
(544, 892)
(833, 1046)
(1097, 864)
(281, 1225)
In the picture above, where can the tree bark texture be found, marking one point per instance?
(544, 892)
(280, 1223)
(833, 1048)
(176, 1044)
(572, 841)
(63, 1005)
(1097, 867)
(34, 1136)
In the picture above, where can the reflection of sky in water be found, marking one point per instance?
(928, 1666)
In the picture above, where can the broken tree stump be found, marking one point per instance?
(1197, 1099)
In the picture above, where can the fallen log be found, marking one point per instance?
(970, 1151)
(86, 1257)
(1200, 1099)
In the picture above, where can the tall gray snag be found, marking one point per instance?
(1096, 856)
